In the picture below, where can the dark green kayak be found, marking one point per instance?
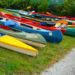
(70, 32)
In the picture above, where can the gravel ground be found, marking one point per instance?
(64, 67)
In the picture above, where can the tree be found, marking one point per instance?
(69, 7)
(43, 6)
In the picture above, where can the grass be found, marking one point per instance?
(12, 63)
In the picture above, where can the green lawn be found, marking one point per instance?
(12, 63)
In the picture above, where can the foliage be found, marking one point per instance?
(68, 8)
(38, 5)
(43, 6)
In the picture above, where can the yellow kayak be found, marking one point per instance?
(16, 45)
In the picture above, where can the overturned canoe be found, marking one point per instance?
(70, 32)
(35, 44)
(16, 45)
(24, 35)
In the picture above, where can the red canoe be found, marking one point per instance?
(4, 27)
(54, 16)
(48, 14)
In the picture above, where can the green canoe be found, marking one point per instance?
(70, 32)
(24, 35)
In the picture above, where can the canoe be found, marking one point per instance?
(24, 35)
(3, 10)
(50, 36)
(46, 17)
(4, 27)
(13, 10)
(39, 16)
(19, 11)
(34, 44)
(29, 42)
(24, 21)
(62, 22)
(16, 45)
(71, 22)
(48, 25)
(70, 32)
(71, 26)
(33, 13)
(70, 18)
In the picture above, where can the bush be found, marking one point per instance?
(38, 5)
(68, 8)
(20, 4)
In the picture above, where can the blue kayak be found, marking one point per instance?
(50, 36)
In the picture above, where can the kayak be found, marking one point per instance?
(36, 16)
(45, 17)
(32, 43)
(13, 10)
(24, 35)
(70, 32)
(35, 44)
(40, 22)
(71, 26)
(62, 22)
(4, 27)
(16, 45)
(50, 36)
(33, 13)
(39, 25)
(19, 11)
(70, 18)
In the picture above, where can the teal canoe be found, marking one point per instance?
(70, 32)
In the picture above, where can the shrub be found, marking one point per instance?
(68, 8)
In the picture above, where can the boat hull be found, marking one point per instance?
(32, 23)
(23, 35)
(50, 36)
(16, 45)
(70, 32)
